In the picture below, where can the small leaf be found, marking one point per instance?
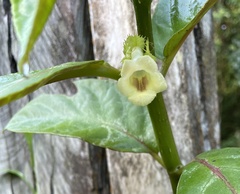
(12, 172)
(29, 18)
(17, 174)
(173, 21)
(98, 114)
(15, 86)
(216, 171)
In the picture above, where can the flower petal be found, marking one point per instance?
(125, 87)
(147, 63)
(129, 66)
(142, 98)
(157, 82)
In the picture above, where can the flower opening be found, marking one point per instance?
(139, 80)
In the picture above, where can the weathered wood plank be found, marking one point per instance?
(111, 22)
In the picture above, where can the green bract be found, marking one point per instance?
(130, 44)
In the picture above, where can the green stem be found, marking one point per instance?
(157, 108)
(165, 139)
(143, 16)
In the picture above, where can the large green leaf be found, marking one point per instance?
(98, 114)
(173, 20)
(216, 171)
(15, 86)
(29, 18)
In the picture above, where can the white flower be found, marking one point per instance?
(140, 79)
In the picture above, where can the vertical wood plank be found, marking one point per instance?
(111, 23)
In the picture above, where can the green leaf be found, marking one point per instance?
(216, 171)
(18, 174)
(98, 114)
(15, 86)
(29, 18)
(173, 20)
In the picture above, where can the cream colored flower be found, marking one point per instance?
(140, 79)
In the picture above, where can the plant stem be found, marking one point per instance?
(143, 16)
(157, 108)
(165, 139)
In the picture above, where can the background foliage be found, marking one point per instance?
(227, 40)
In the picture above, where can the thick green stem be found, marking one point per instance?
(144, 23)
(157, 108)
(165, 139)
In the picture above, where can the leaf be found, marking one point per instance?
(15, 86)
(173, 20)
(98, 114)
(216, 171)
(17, 174)
(29, 18)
